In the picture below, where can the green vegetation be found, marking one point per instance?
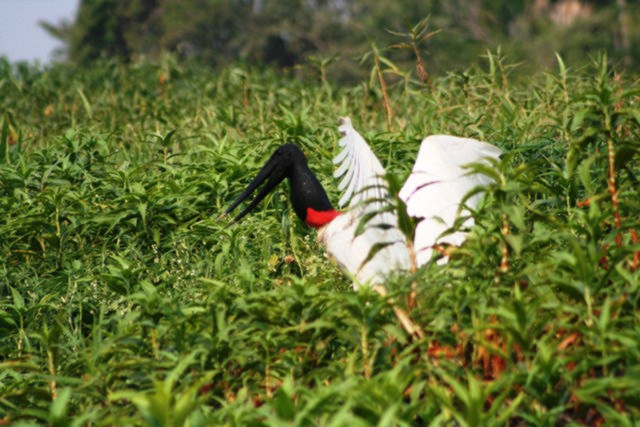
(124, 302)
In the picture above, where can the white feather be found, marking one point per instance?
(361, 170)
(437, 186)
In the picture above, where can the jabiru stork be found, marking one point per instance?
(365, 239)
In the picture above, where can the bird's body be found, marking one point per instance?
(365, 240)
(368, 257)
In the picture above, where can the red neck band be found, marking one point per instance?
(317, 219)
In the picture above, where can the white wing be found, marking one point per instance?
(381, 248)
(361, 170)
(437, 186)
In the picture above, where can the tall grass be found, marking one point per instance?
(123, 301)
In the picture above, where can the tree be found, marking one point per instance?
(285, 33)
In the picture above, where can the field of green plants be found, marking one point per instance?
(123, 301)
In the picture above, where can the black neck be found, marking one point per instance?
(306, 190)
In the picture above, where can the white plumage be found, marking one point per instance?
(438, 185)
(366, 240)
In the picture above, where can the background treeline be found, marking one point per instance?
(331, 35)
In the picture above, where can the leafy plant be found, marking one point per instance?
(123, 300)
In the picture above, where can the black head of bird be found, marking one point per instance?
(308, 197)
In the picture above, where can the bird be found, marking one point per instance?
(364, 238)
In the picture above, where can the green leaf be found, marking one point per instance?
(58, 409)
(18, 301)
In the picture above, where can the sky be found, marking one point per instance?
(21, 38)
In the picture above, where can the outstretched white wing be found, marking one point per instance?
(437, 186)
(361, 171)
(365, 240)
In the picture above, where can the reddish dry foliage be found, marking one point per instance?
(577, 411)
(491, 355)
(492, 363)
(205, 389)
(257, 400)
(573, 338)
(437, 350)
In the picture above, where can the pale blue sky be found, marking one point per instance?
(21, 38)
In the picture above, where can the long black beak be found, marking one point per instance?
(275, 170)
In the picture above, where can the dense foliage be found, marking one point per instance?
(288, 33)
(123, 301)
